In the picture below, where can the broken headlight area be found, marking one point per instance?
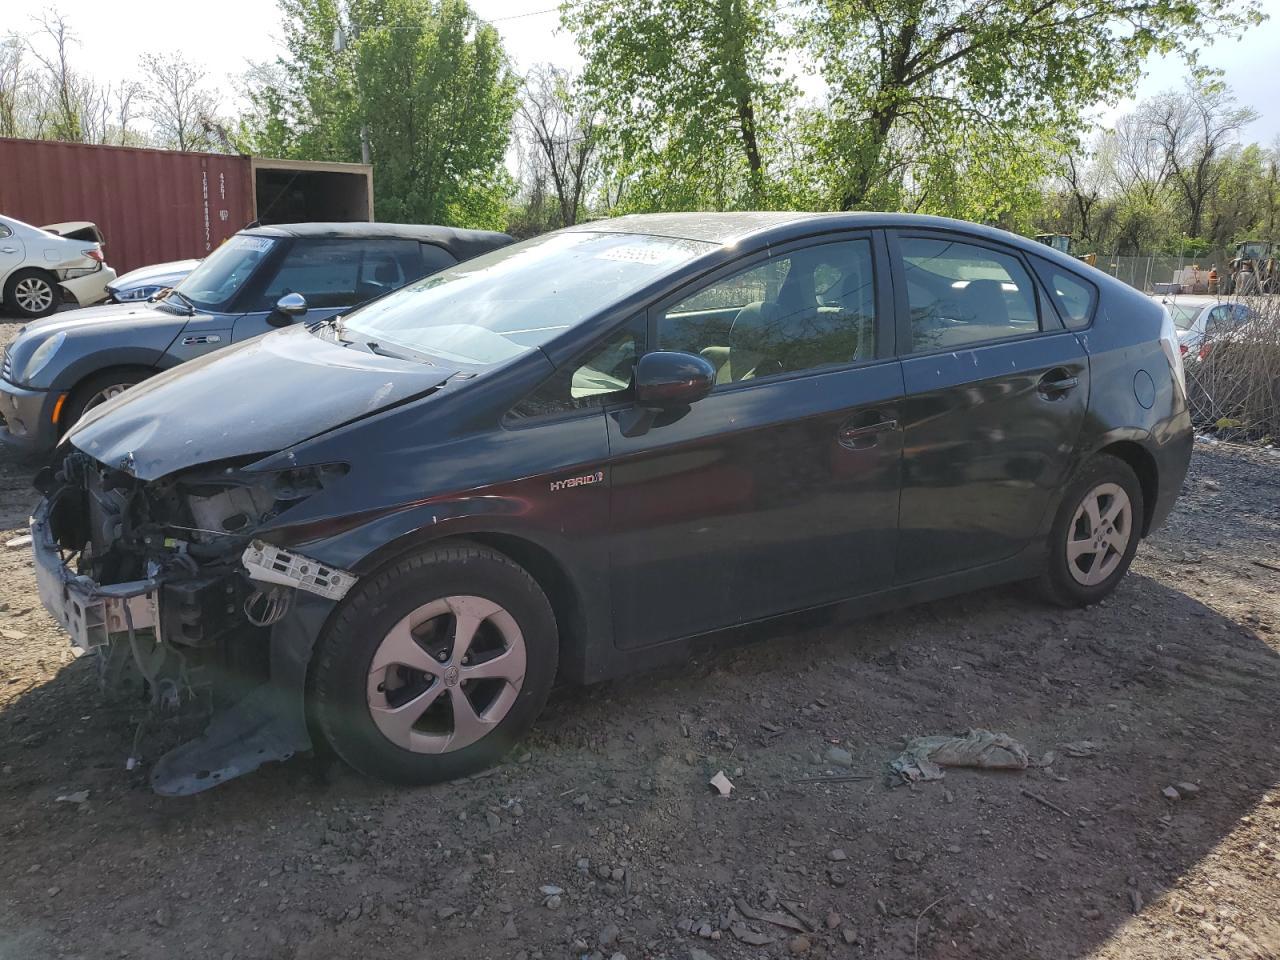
(165, 579)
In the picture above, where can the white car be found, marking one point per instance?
(39, 269)
(147, 282)
(1199, 317)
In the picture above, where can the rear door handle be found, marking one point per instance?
(859, 438)
(1052, 389)
(8, 249)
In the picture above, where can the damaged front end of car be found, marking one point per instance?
(186, 608)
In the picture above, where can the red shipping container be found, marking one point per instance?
(151, 205)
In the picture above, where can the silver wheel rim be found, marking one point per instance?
(33, 294)
(446, 675)
(105, 394)
(1099, 534)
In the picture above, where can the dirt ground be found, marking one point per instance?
(1175, 680)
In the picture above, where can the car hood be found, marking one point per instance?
(175, 269)
(253, 398)
(123, 314)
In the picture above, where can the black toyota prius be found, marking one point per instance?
(389, 533)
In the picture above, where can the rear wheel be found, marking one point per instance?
(436, 666)
(31, 294)
(1095, 534)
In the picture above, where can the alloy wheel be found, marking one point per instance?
(33, 294)
(446, 674)
(1099, 534)
(105, 394)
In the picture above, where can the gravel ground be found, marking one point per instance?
(600, 836)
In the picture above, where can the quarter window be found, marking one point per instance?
(961, 293)
(603, 373)
(1073, 298)
(798, 311)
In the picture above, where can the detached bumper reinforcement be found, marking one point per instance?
(271, 564)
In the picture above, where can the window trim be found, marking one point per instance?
(903, 307)
(880, 278)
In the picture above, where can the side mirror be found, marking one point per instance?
(291, 306)
(665, 379)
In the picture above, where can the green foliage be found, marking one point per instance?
(691, 93)
(921, 89)
(427, 80)
(1169, 178)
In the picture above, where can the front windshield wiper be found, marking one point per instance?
(373, 346)
(190, 304)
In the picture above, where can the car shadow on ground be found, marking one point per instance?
(1045, 862)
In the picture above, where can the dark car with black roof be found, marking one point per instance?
(591, 453)
(262, 278)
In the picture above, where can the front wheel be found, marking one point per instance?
(436, 666)
(1095, 534)
(96, 390)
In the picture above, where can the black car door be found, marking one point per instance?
(779, 490)
(996, 391)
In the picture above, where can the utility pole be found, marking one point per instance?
(339, 45)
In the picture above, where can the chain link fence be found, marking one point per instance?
(1145, 272)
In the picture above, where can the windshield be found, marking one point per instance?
(1183, 316)
(220, 275)
(505, 303)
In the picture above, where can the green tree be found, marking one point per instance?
(905, 75)
(689, 91)
(424, 83)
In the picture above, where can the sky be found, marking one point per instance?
(245, 31)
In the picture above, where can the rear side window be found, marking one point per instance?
(961, 293)
(5, 231)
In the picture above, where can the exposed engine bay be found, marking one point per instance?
(166, 583)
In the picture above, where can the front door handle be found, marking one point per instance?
(859, 438)
(8, 249)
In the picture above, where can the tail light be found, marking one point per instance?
(1182, 349)
(1205, 350)
(1170, 344)
(95, 253)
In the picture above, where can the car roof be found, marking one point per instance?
(779, 226)
(463, 244)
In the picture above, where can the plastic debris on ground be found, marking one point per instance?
(925, 757)
(722, 784)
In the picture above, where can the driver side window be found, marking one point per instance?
(326, 272)
(798, 311)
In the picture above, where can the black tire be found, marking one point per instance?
(344, 656)
(88, 392)
(14, 302)
(1058, 584)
